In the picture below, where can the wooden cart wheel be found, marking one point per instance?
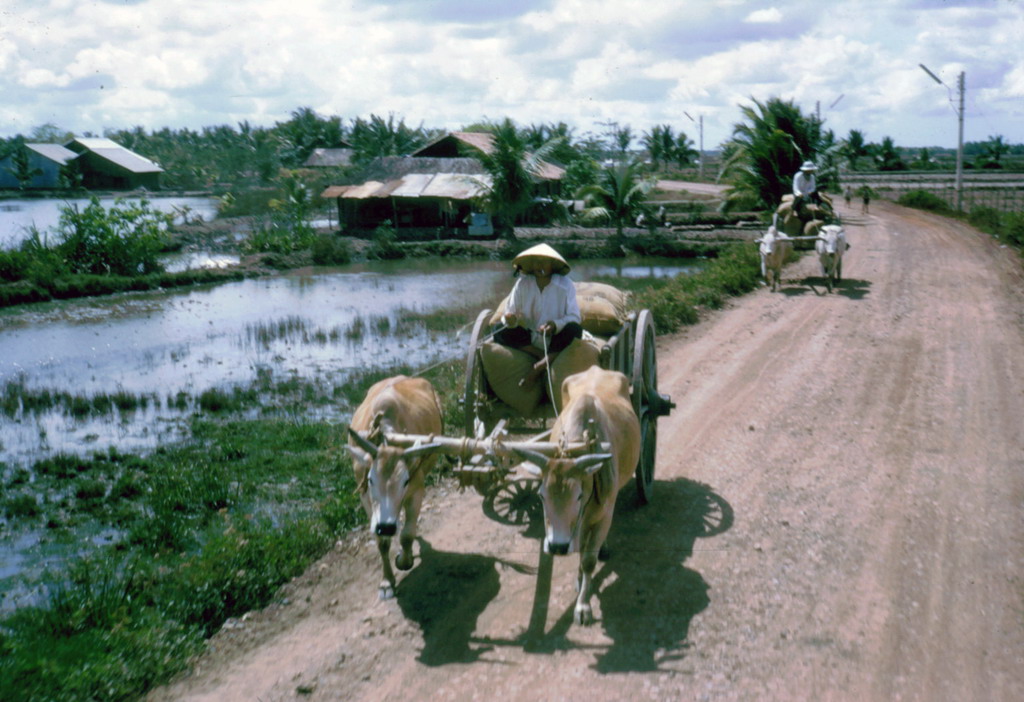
(515, 502)
(476, 384)
(646, 402)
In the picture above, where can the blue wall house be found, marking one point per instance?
(45, 159)
(106, 165)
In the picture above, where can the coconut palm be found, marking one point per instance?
(766, 150)
(619, 196)
(683, 152)
(854, 148)
(513, 170)
(380, 137)
(887, 158)
(660, 144)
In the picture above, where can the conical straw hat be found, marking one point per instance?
(542, 251)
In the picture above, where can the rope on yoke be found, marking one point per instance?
(547, 373)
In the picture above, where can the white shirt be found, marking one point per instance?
(804, 183)
(555, 303)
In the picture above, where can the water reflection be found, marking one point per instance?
(318, 325)
(17, 216)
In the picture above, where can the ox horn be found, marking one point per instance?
(538, 459)
(591, 462)
(363, 443)
(417, 451)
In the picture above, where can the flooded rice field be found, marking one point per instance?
(19, 215)
(124, 371)
(123, 374)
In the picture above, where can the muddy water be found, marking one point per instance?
(160, 344)
(318, 325)
(17, 216)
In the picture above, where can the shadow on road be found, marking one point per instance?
(852, 288)
(651, 597)
(445, 594)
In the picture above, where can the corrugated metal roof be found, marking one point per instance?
(361, 192)
(412, 184)
(54, 152)
(456, 186)
(117, 154)
(128, 160)
(335, 191)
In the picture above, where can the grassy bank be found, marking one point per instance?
(211, 528)
(1007, 227)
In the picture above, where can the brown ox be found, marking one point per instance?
(579, 494)
(390, 479)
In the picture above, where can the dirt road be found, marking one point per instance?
(838, 515)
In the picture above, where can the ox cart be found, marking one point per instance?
(485, 457)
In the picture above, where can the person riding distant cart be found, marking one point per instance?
(805, 186)
(542, 316)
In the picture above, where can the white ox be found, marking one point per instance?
(390, 479)
(774, 246)
(579, 494)
(831, 245)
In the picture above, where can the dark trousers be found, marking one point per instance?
(518, 337)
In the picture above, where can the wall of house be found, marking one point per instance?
(48, 179)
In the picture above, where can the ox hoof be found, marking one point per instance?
(403, 561)
(386, 591)
(584, 615)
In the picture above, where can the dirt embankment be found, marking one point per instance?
(837, 516)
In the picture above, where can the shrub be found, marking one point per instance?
(331, 250)
(384, 246)
(923, 200)
(125, 239)
(987, 219)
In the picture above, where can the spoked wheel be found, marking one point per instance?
(646, 402)
(476, 384)
(514, 502)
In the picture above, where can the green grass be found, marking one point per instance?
(212, 527)
(679, 302)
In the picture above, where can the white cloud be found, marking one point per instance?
(191, 63)
(770, 15)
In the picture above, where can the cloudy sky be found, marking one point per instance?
(92, 65)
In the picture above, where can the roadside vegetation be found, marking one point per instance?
(1007, 227)
(94, 251)
(212, 528)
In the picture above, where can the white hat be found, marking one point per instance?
(542, 251)
(808, 166)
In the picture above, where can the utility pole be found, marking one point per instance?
(960, 147)
(700, 125)
(961, 88)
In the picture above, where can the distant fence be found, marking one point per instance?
(1000, 191)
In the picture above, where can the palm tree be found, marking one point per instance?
(660, 144)
(854, 148)
(380, 137)
(766, 151)
(995, 147)
(683, 152)
(623, 137)
(512, 169)
(619, 196)
(887, 158)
